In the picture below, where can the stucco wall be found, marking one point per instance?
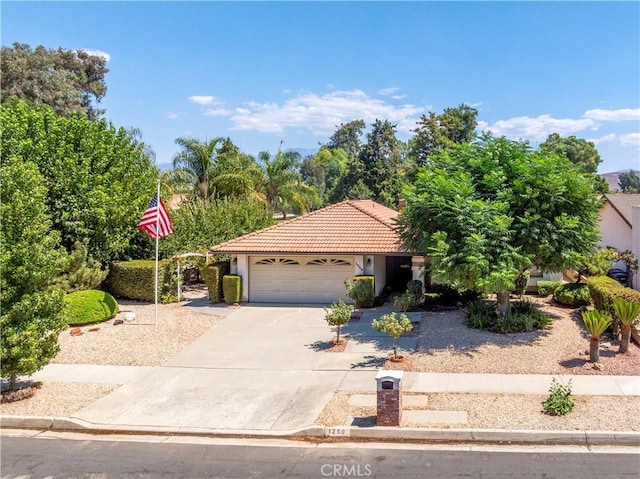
(614, 231)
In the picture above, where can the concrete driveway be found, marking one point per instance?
(263, 367)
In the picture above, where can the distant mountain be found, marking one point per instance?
(612, 179)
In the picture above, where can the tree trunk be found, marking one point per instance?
(504, 303)
(338, 336)
(594, 350)
(395, 350)
(624, 339)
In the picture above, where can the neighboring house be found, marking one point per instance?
(620, 225)
(307, 259)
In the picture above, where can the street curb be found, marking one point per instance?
(320, 433)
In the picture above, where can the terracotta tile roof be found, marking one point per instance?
(352, 226)
(623, 203)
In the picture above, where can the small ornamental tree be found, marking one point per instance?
(485, 211)
(596, 323)
(338, 314)
(394, 327)
(627, 311)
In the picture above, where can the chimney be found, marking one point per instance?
(401, 204)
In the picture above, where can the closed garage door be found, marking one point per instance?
(299, 279)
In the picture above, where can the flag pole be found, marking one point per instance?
(157, 239)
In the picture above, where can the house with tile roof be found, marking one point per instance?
(620, 224)
(308, 258)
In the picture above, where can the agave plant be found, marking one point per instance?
(627, 311)
(596, 323)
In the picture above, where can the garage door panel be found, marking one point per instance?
(293, 279)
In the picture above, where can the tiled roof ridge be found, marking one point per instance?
(370, 214)
(283, 223)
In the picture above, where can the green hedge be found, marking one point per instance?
(603, 290)
(362, 290)
(572, 294)
(545, 288)
(212, 274)
(232, 288)
(89, 306)
(136, 280)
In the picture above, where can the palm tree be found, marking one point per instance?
(596, 323)
(281, 185)
(213, 168)
(627, 311)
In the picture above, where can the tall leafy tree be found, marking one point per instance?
(30, 256)
(629, 182)
(485, 211)
(69, 81)
(200, 224)
(436, 132)
(348, 137)
(323, 171)
(99, 179)
(578, 151)
(581, 153)
(281, 184)
(381, 160)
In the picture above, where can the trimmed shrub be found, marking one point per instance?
(604, 290)
(232, 288)
(89, 307)
(405, 302)
(414, 287)
(136, 280)
(572, 294)
(212, 274)
(361, 289)
(545, 288)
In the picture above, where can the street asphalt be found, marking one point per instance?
(260, 371)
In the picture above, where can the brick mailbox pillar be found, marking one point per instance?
(389, 397)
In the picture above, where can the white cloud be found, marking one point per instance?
(217, 112)
(630, 139)
(172, 115)
(320, 114)
(623, 114)
(204, 100)
(538, 128)
(97, 53)
(603, 139)
(388, 91)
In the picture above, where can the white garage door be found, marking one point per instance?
(299, 279)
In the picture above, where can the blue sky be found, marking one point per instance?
(265, 72)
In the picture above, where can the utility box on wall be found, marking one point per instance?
(389, 397)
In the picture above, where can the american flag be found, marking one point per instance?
(148, 221)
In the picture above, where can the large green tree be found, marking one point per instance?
(30, 256)
(348, 137)
(486, 211)
(436, 132)
(199, 224)
(382, 163)
(69, 81)
(578, 151)
(99, 179)
(629, 182)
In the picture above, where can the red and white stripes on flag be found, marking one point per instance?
(156, 216)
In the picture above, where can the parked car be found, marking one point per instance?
(618, 274)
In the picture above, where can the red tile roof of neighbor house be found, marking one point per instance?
(352, 226)
(623, 203)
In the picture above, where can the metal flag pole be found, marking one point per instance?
(157, 239)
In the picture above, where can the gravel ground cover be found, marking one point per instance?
(445, 344)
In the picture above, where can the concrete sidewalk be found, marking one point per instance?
(261, 371)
